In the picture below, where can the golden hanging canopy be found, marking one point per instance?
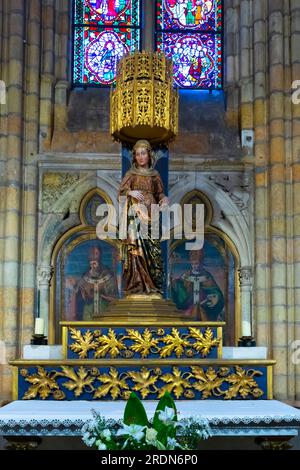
(144, 103)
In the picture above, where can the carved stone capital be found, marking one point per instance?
(44, 275)
(245, 276)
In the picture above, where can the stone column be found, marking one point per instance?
(63, 62)
(3, 136)
(47, 75)
(13, 178)
(48, 34)
(290, 303)
(295, 186)
(4, 20)
(246, 71)
(231, 78)
(245, 279)
(44, 278)
(277, 197)
(30, 187)
(261, 296)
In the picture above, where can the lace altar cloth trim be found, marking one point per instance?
(67, 418)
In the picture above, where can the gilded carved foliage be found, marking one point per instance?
(174, 342)
(143, 343)
(83, 343)
(204, 342)
(243, 383)
(43, 384)
(79, 381)
(144, 381)
(175, 383)
(212, 382)
(209, 382)
(113, 384)
(109, 345)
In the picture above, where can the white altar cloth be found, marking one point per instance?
(227, 418)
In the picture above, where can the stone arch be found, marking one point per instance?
(229, 221)
(226, 214)
(53, 226)
(54, 229)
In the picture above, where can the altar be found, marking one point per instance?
(270, 422)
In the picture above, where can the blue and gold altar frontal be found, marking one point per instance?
(109, 360)
(165, 340)
(203, 379)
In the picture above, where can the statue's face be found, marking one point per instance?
(142, 157)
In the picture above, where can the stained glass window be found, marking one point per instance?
(190, 31)
(104, 31)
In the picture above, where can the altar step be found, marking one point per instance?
(139, 307)
(185, 379)
(142, 345)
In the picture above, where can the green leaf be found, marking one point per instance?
(163, 431)
(160, 446)
(165, 402)
(134, 412)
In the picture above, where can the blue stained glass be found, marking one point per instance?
(105, 12)
(104, 31)
(203, 15)
(190, 32)
(196, 57)
(102, 55)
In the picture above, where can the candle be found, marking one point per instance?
(246, 328)
(38, 302)
(39, 326)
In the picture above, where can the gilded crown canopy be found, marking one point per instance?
(144, 103)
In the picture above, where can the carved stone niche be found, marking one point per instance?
(228, 188)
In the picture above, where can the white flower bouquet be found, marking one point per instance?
(137, 432)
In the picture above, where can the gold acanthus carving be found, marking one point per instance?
(214, 382)
(144, 343)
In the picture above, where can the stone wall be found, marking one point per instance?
(204, 128)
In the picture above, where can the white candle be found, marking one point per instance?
(39, 326)
(246, 328)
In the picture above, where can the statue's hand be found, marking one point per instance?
(136, 195)
(164, 202)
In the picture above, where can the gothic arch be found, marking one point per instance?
(213, 234)
(226, 215)
(55, 231)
